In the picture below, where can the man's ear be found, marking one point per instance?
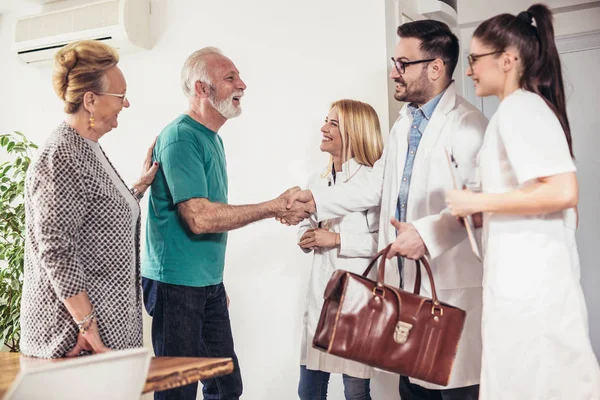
(437, 69)
(201, 89)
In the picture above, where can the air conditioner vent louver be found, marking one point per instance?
(58, 46)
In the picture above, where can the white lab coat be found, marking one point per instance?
(457, 126)
(536, 343)
(358, 244)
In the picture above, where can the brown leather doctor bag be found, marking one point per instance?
(389, 328)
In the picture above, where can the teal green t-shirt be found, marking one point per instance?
(192, 165)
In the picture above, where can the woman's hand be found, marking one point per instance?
(149, 170)
(463, 202)
(317, 237)
(89, 342)
(477, 220)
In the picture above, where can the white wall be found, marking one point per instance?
(296, 58)
(570, 16)
(470, 11)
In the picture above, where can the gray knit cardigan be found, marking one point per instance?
(78, 238)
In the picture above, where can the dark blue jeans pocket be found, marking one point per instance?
(149, 288)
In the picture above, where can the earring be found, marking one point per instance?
(91, 121)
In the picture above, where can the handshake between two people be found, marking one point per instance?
(295, 205)
(300, 204)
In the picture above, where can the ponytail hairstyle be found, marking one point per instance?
(542, 72)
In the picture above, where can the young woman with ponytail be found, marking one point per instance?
(536, 341)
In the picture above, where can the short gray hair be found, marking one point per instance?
(194, 69)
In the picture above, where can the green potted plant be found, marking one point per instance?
(12, 233)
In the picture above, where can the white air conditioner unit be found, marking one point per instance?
(123, 24)
(440, 10)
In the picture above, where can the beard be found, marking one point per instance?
(414, 92)
(225, 107)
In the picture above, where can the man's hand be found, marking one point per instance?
(289, 193)
(408, 243)
(296, 213)
(317, 237)
(302, 196)
(299, 199)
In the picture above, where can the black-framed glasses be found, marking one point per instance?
(401, 65)
(472, 58)
(123, 96)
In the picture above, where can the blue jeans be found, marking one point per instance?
(192, 322)
(313, 386)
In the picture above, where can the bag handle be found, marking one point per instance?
(417, 288)
(373, 261)
(381, 272)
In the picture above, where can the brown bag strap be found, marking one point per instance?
(417, 288)
(381, 272)
(373, 261)
(425, 263)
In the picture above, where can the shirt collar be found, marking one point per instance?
(428, 108)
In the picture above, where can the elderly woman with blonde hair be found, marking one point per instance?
(82, 289)
(352, 136)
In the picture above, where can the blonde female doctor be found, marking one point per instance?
(351, 135)
(536, 343)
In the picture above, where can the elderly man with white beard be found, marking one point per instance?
(188, 220)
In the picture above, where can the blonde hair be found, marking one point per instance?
(79, 68)
(360, 130)
(194, 69)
